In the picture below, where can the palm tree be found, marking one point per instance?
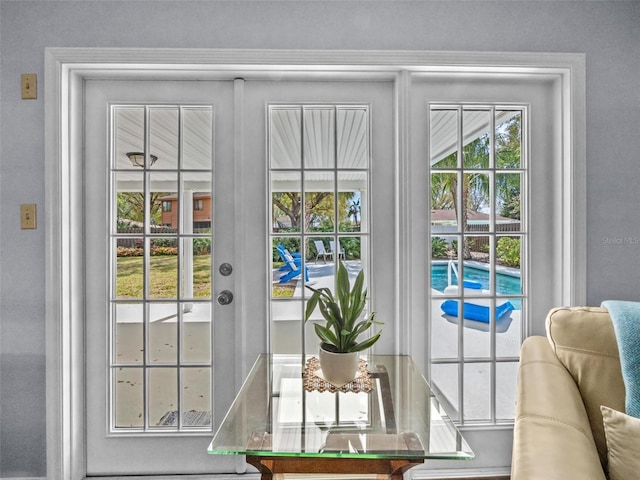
(475, 185)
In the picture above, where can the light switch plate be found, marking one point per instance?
(28, 216)
(29, 86)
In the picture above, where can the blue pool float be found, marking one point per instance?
(472, 311)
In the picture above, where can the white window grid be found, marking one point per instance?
(458, 405)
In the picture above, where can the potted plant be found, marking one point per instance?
(341, 334)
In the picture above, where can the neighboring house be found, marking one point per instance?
(476, 221)
(201, 210)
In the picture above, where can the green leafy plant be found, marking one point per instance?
(343, 326)
(439, 247)
(508, 250)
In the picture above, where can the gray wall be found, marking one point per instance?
(608, 32)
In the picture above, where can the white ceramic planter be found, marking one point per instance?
(338, 368)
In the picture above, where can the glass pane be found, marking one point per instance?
(444, 328)
(506, 379)
(128, 136)
(508, 249)
(476, 126)
(480, 247)
(285, 144)
(128, 202)
(196, 267)
(163, 268)
(286, 202)
(287, 266)
(319, 137)
(444, 380)
(443, 247)
(477, 391)
(169, 208)
(129, 397)
(508, 138)
(163, 202)
(196, 397)
(197, 137)
(319, 250)
(163, 397)
(353, 137)
(478, 280)
(444, 138)
(129, 268)
(477, 317)
(509, 332)
(319, 196)
(196, 333)
(476, 194)
(129, 333)
(199, 184)
(444, 202)
(352, 214)
(507, 204)
(163, 333)
(353, 251)
(163, 137)
(286, 326)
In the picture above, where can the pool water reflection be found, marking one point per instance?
(505, 284)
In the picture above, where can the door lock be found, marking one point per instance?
(225, 297)
(225, 269)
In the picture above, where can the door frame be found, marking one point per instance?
(66, 69)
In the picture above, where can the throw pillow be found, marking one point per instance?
(623, 444)
(625, 317)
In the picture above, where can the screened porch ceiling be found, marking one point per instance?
(320, 140)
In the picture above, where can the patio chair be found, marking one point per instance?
(321, 251)
(332, 244)
(296, 258)
(293, 266)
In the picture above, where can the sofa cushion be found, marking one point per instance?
(623, 443)
(584, 341)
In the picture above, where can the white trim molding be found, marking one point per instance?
(67, 68)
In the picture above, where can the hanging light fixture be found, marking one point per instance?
(137, 159)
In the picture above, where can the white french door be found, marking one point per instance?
(490, 167)
(175, 186)
(158, 223)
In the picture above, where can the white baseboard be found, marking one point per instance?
(220, 476)
(459, 473)
(23, 478)
(417, 475)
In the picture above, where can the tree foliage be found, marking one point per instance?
(475, 187)
(131, 206)
(317, 213)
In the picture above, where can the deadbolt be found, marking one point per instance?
(225, 269)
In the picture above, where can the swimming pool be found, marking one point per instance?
(505, 284)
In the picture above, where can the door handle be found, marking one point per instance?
(225, 297)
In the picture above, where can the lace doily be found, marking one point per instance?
(313, 382)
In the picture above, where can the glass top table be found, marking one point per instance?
(286, 415)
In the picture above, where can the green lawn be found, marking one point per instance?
(163, 276)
